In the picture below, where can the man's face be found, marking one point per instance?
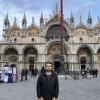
(48, 67)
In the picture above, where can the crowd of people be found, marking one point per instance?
(86, 73)
(9, 73)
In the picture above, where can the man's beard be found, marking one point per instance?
(48, 70)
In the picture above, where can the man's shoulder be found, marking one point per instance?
(54, 74)
(41, 75)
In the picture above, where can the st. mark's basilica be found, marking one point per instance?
(32, 46)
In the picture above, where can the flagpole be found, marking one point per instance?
(61, 42)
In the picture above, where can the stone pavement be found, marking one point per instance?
(69, 90)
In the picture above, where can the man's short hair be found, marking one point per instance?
(48, 63)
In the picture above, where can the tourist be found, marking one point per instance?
(42, 70)
(83, 73)
(96, 72)
(32, 72)
(24, 73)
(35, 72)
(47, 84)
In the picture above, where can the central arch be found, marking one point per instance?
(54, 55)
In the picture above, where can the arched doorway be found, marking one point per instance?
(30, 57)
(85, 58)
(54, 55)
(10, 56)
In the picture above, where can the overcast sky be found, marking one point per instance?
(16, 8)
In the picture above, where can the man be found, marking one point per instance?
(42, 70)
(24, 73)
(35, 72)
(47, 84)
(96, 72)
(32, 72)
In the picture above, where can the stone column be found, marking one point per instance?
(95, 61)
(72, 65)
(74, 62)
(20, 62)
(41, 60)
(2, 57)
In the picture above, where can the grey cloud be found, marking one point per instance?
(29, 4)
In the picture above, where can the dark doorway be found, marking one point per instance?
(31, 67)
(83, 67)
(83, 60)
(13, 65)
(31, 63)
(83, 63)
(57, 66)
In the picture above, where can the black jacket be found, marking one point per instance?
(24, 72)
(42, 70)
(47, 88)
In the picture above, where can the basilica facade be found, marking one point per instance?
(32, 46)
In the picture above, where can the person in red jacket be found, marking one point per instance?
(47, 84)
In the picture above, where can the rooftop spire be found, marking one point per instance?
(6, 22)
(56, 9)
(72, 14)
(72, 21)
(98, 19)
(33, 20)
(41, 21)
(24, 17)
(24, 22)
(41, 15)
(89, 21)
(81, 19)
(89, 16)
(15, 23)
(98, 23)
(6, 18)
